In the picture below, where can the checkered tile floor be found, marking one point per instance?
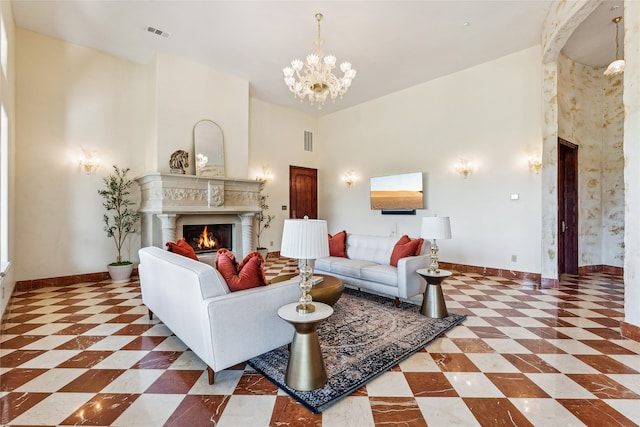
(87, 354)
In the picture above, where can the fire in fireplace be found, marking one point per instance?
(208, 237)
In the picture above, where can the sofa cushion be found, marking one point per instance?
(380, 273)
(404, 248)
(349, 267)
(376, 249)
(246, 275)
(181, 247)
(338, 244)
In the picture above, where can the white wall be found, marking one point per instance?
(491, 114)
(70, 97)
(277, 142)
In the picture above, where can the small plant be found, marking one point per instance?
(264, 221)
(120, 220)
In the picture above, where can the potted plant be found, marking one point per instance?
(119, 220)
(264, 221)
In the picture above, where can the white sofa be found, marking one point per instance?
(368, 267)
(222, 328)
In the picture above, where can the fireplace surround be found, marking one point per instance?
(171, 201)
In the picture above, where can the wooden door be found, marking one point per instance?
(303, 192)
(567, 207)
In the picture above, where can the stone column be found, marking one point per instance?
(247, 233)
(168, 222)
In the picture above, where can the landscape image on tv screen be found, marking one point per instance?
(397, 191)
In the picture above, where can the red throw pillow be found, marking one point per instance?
(404, 248)
(181, 247)
(246, 275)
(338, 244)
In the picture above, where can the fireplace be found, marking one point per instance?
(208, 237)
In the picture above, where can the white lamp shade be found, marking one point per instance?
(305, 239)
(435, 227)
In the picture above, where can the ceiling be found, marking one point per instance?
(392, 44)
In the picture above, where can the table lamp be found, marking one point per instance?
(433, 228)
(305, 239)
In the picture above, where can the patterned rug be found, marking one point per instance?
(364, 337)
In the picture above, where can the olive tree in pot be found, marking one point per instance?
(264, 221)
(119, 220)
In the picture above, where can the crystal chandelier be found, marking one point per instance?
(617, 66)
(315, 79)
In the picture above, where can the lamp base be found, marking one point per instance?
(305, 308)
(433, 265)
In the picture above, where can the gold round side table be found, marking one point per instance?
(305, 369)
(328, 291)
(433, 304)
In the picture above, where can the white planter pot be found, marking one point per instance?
(263, 252)
(120, 273)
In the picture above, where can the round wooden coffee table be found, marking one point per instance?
(328, 291)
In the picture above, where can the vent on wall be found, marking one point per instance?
(308, 141)
(158, 32)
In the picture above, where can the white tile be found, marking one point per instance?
(573, 346)
(48, 342)
(446, 412)
(51, 381)
(559, 386)
(113, 342)
(352, 411)
(489, 362)
(159, 330)
(475, 321)
(171, 343)
(123, 359)
(100, 318)
(630, 381)
(485, 312)
(568, 364)
(391, 384)
(50, 359)
(247, 411)
(461, 331)
(53, 410)
(149, 410)
(473, 384)
(527, 322)
(105, 329)
(443, 345)
(225, 382)
(48, 318)
(627, 407)
(534, 312)
(49, 329)
(578, 333)
(546, 412)
(628, 344)
(419, 362)
(631, 360)
(517, 332)
(92, 309)
(133, 381)
(580, 322)
(188, 361)
(506, 346)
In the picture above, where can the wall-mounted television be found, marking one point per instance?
(397, 194)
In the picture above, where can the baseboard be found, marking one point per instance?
(630, 331)
(29, 285)
(608, 269)
(488, 271)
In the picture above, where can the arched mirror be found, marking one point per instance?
(208, 144)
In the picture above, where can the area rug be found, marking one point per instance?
(364, 337)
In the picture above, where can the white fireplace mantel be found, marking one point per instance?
(167, 198)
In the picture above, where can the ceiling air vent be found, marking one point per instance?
(158, 32)
(308, 141)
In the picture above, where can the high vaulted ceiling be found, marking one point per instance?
(392, 44)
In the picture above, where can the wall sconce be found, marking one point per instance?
(349, 178)
(464, 167)
(535, 165)
(89, 162)
(265, 176)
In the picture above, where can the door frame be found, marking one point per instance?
(568, 204)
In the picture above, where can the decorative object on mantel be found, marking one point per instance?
(208, 142)
(434, 228)
(179, 161)
(305, 239)
(317, 80)
(119, 220)
(617, 66)
(263, 220)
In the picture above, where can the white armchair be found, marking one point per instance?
(222, 328)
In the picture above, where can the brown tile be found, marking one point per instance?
(18, 357)
(80, 342)
(396, 411)
(85, 359)
(430, 384)
(14, 378)
(529, 363)
(290, 413)
(20, 341)
(454, 362)
(496, 412)
(254, 383)
(500, 321)
(605, 364)
(174, 382)
(472, 345)
(24, 318)
(487, 332)
(21, 329)
(144, 343)
(15, 404)
(77, 328)
(603, 386)
(607, 347)
(198, 410)
(539, 346)
(595, 412)
(606, 333)
(92, 381)
(516, 385)
(134, 329)
(157, 360)
(101, 410)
